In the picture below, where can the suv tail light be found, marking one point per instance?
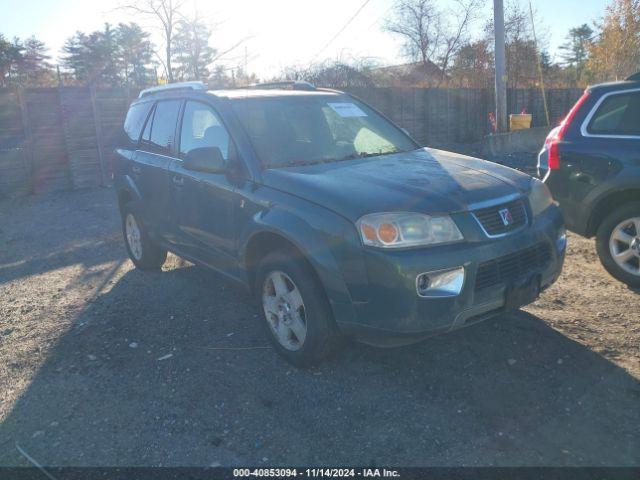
(551, 146)
(557, 134)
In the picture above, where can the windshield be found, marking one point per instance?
(300, 130)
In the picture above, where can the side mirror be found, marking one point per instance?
(205, 159)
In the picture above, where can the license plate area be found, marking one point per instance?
(522, 292)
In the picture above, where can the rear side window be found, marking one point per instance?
(135, 119)
(618, 114)
(163, 126)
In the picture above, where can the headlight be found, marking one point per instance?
(397, 230)
(539, 197)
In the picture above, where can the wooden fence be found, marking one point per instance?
(58, 138)
(446, 118)
(62, 138)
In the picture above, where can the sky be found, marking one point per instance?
(278, 33)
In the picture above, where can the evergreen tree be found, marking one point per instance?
(34, 69)
(77, 56)
(106, 52)
(134, 54)
(192, 53)
(93, 58)
(10, 58)
(575, 51)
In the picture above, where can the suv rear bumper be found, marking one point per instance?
(576, 215)
(396, 315)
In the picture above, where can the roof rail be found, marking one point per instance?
(634, 78)
(172, 87)
(292, 84)
(332, 90)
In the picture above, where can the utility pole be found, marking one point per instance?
(501, 74)
(539, 62)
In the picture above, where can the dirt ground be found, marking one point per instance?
(104, 365)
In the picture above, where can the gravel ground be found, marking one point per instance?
(104, 365)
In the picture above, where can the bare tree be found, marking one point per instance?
(430, 35)
(418, 23)
(336, 74)
(168, 14)
(455, 35)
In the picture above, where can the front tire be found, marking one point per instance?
(294, 309)
(618, 244)
(143, 252)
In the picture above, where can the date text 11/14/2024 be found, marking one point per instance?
(316, 472)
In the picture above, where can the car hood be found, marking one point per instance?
(427, 180)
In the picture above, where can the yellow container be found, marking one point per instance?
(519, 121)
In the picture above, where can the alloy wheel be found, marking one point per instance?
(284, 310)
(134, 236)
(624, 245)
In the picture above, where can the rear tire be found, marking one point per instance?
(619, 235)
(295, 312)
(143, 252)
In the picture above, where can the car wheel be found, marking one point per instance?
(618, 244)
(144, 253)
(295, 312)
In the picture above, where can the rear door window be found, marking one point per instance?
(163, 127)
(618, 114)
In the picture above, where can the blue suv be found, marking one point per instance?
(337, 221)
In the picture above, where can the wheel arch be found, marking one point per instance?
(261, 243)
(604, 205)
(302, 240)
(124, 197)
(127, 191)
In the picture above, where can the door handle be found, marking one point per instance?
(178, 181)
(136, 169)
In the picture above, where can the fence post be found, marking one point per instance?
(449, 135)
(68, 135)
(95, 109)
(28, 137)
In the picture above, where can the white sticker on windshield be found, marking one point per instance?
(346, 110)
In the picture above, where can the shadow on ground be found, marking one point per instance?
(452, 400)
(171, 368)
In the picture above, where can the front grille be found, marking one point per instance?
(508, 268)
(491, 219)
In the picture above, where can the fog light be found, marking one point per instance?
(561, 242)
(442, 283)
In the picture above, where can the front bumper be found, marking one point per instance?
(395, 314)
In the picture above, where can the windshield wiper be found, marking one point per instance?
(369, 154)
(352, 156)
(299, 163)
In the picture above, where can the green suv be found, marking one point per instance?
(337, 221)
